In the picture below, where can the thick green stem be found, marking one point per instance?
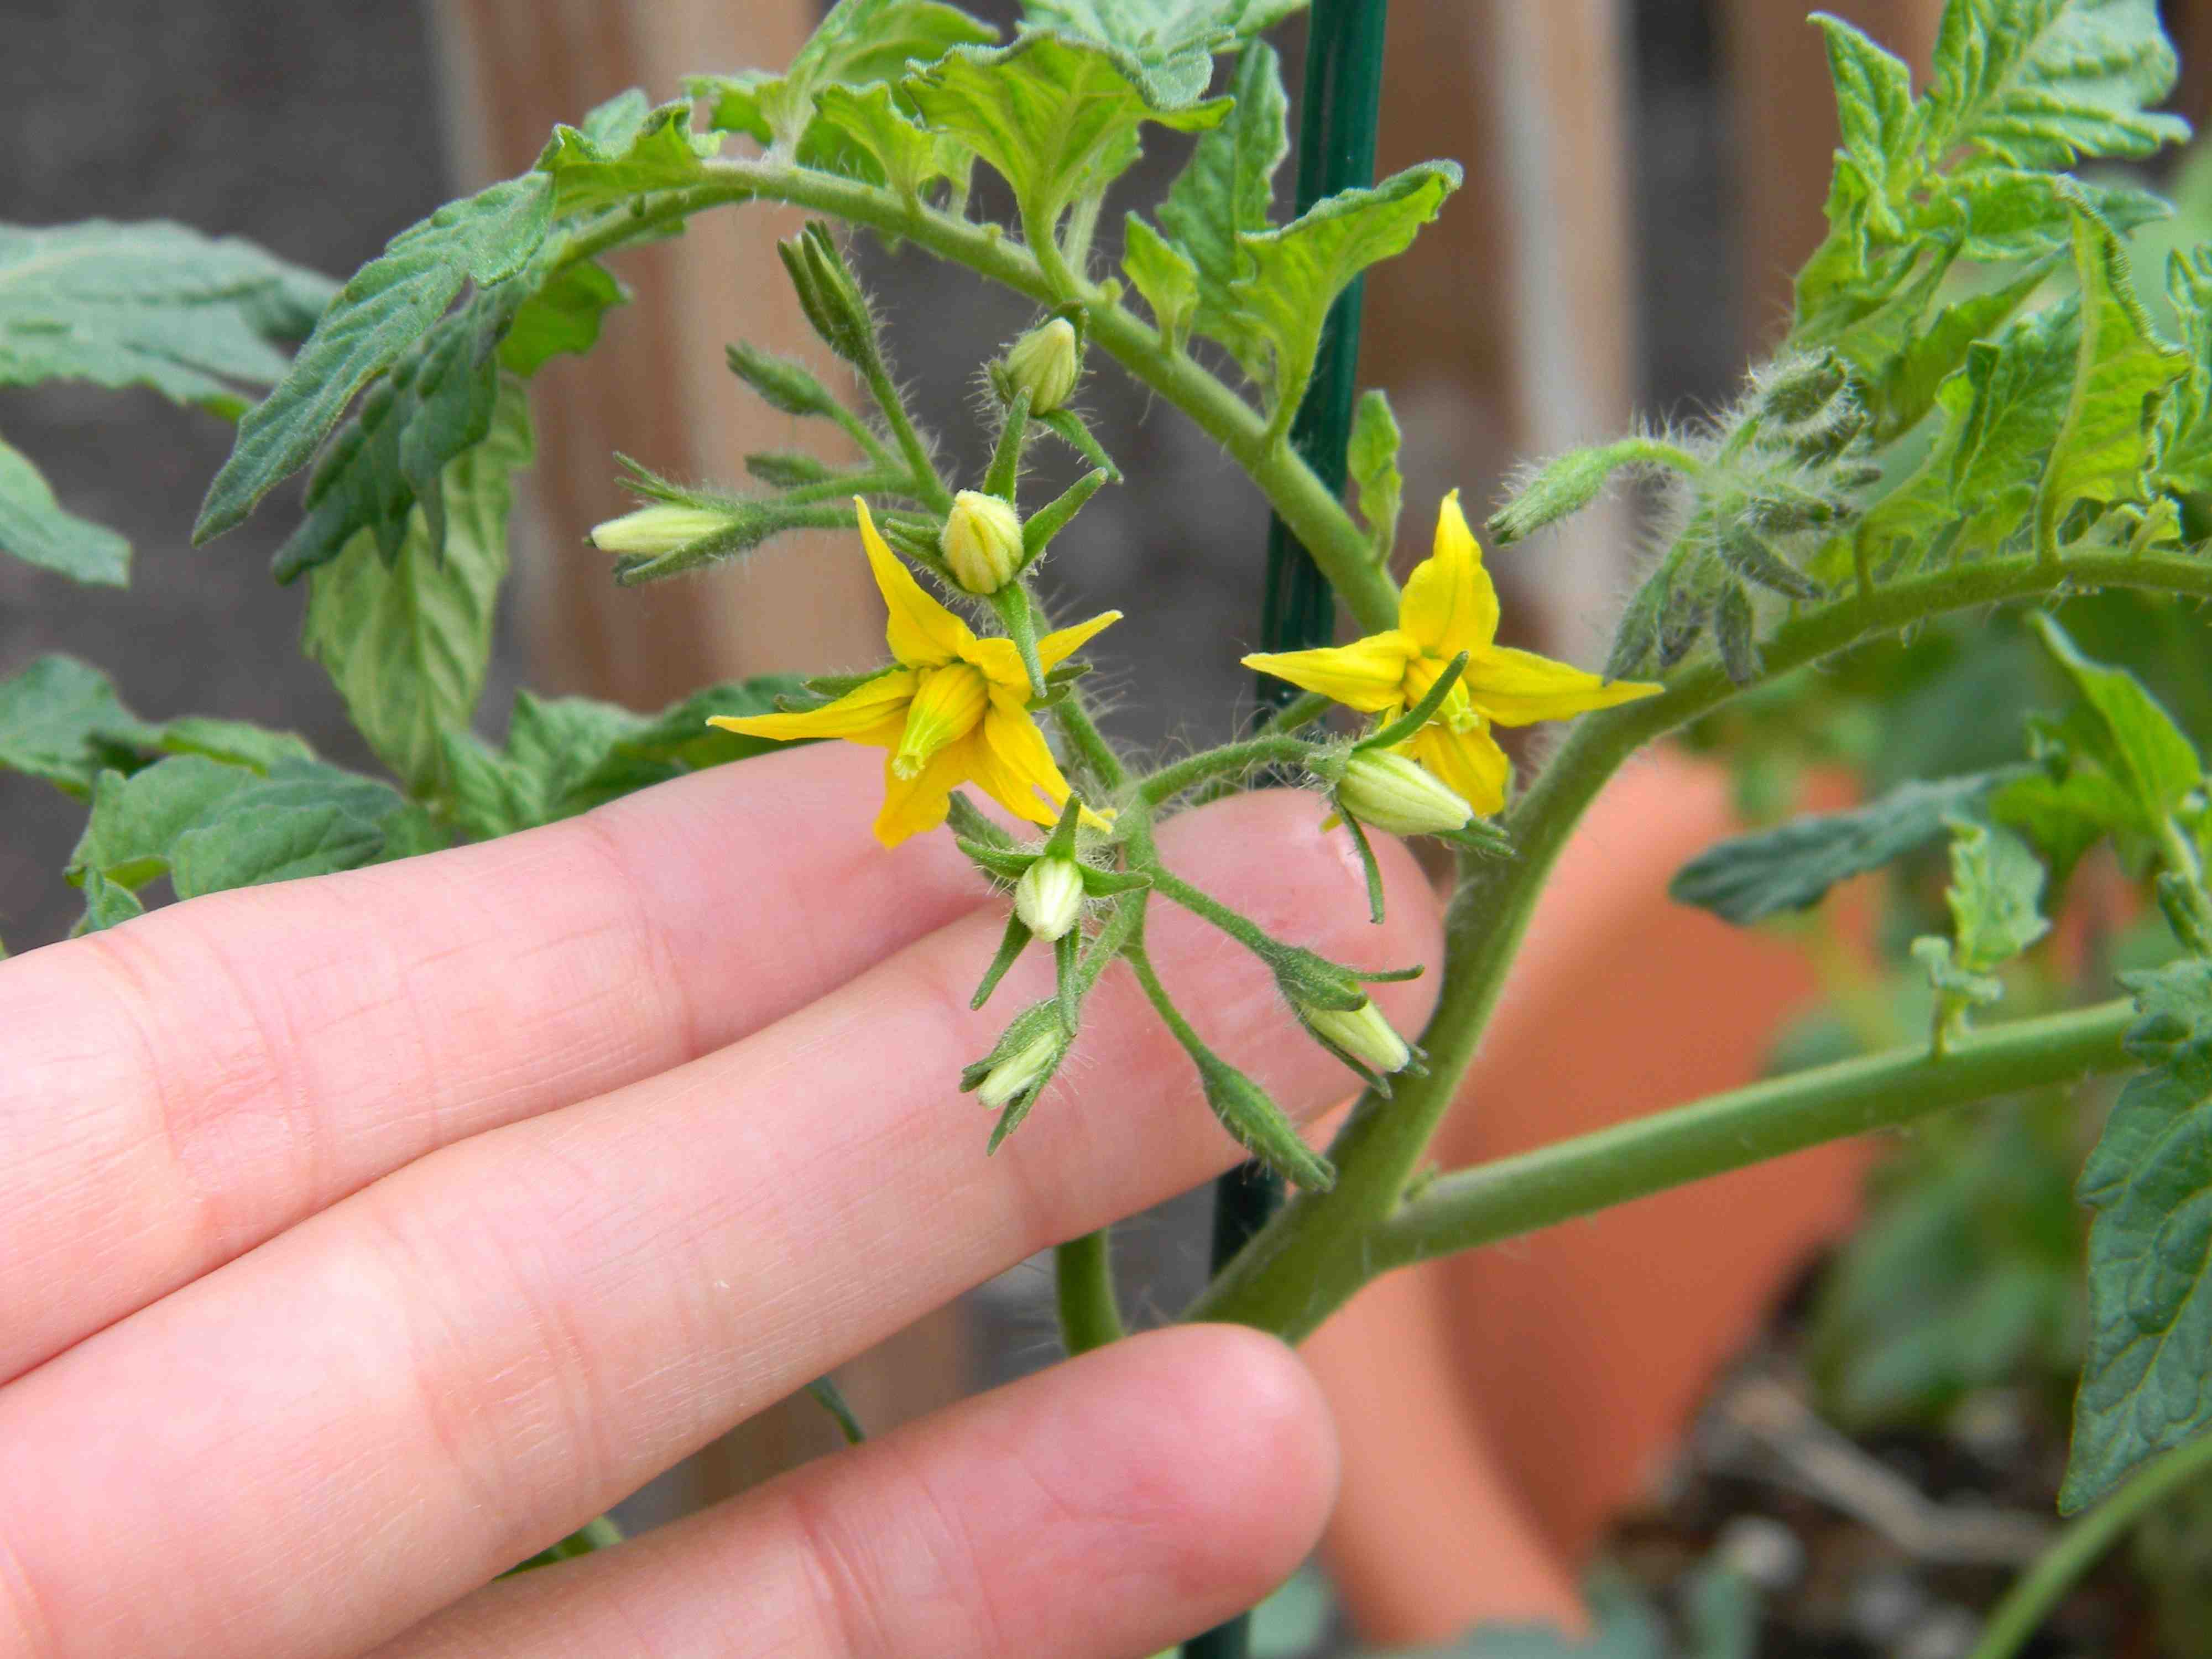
(1298, 497)
(1230, 760)
(2044, 1585)
(1083, 1272)
(1294, 1271)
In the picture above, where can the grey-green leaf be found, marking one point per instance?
(38, 530)
(1167, 45)
(388, 306)
(2137, 742)
(407, 644)
(1225, 192)
(2042, 83)
(1793, 866)
(61, 721)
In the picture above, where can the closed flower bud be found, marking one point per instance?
(1363, 1033)
(651, 531)
(1043, 363)
(1019, 1071)
(1048, 898)
(982, 541)
(1397, 795)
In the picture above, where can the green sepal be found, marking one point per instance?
(1372, 457)
(2187, 911)
(1004, 473)
(998, 863)
(829, 294)
(1481, 837)
(916, 537)
(1112, 884)
(1060, 844)
(1048, 521)
(970, 824)
(831, 1399)
(1745, 551)
(1256, 1123)
(789, 469)
(1068, 989)
(1734, 631)
(1011, 944)
(1420, 714)
(1374, 871)
(1015, 616)
(1069, 427)
(1636, 636)
(783, 383)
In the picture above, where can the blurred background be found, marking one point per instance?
(1644, 175)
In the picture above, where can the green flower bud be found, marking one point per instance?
(653, 531)
(1397, 795)
(1044, 363)
(1023, 1061)
(1048, 898)
(982, 541)
(1361, 1032)
(1019, 1071)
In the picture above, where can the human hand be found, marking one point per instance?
(361, 1236)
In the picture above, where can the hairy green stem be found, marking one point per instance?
(927, 483)
(1303, 502)
(2045, 1585)
(1245, 931)
(1229, 760)
(1083, 1275)
(1294, 1272)
(1771, 1118)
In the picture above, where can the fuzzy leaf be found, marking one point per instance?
(1996, 886)
(1873, 97)
(1164, 274)
(906, 156)
(61, 721)
(2134, 740)
(152, 304)
(625, 148)
(1793, 866)
(135, 820)
(1054, 117)
(2147, 1385)
(388, 307)
(407, 643)
(1372, 457)
(562, 315)
(1167, 45)
(1225, 192)
(2182, 444)
(2122, 369)
(2042, 83)
(1298, 269)
(244, 848)
(36, 529)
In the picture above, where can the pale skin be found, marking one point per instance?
(360, 1237)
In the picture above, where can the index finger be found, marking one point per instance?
(187, 1085)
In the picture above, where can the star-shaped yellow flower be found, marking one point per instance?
(1448, 606)
(955, 709)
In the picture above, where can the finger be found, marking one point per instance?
(1105, 1507)
(188, 1086)
(491, 1346)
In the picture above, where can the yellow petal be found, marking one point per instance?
(871, 713)
(913, 805)
(1449, 604)
(1367, 675)
(948, 704)
(923, 633)
(1015, 764)
(1518, 688)
(1056, 647)
(1469, 763)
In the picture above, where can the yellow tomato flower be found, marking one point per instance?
(954, 710)
(1450, 606)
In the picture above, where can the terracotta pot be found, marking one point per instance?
(1500, 1407)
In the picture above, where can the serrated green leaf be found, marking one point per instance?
(1873, 97)
(2122, 370)
(388, 307)
(2010, 214)
(1748, 877)
(234, 743)
(1164, 274)
(904, 154)
(2043, 83)
(61, 721)
(563, 315)
(1223, 193)
(2147, 1385)
(407, 644)
(1372, 458)
(1056, 118)
(2181, 446)
(135, 820)
(276, 843)
(1167, 45)
(107, 904)
(2134, 740)
(153, 304)
(1298, 269)
(35, 528)
(625, 148)
(1995, 894)
(1906, 376)
(2063, 819)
